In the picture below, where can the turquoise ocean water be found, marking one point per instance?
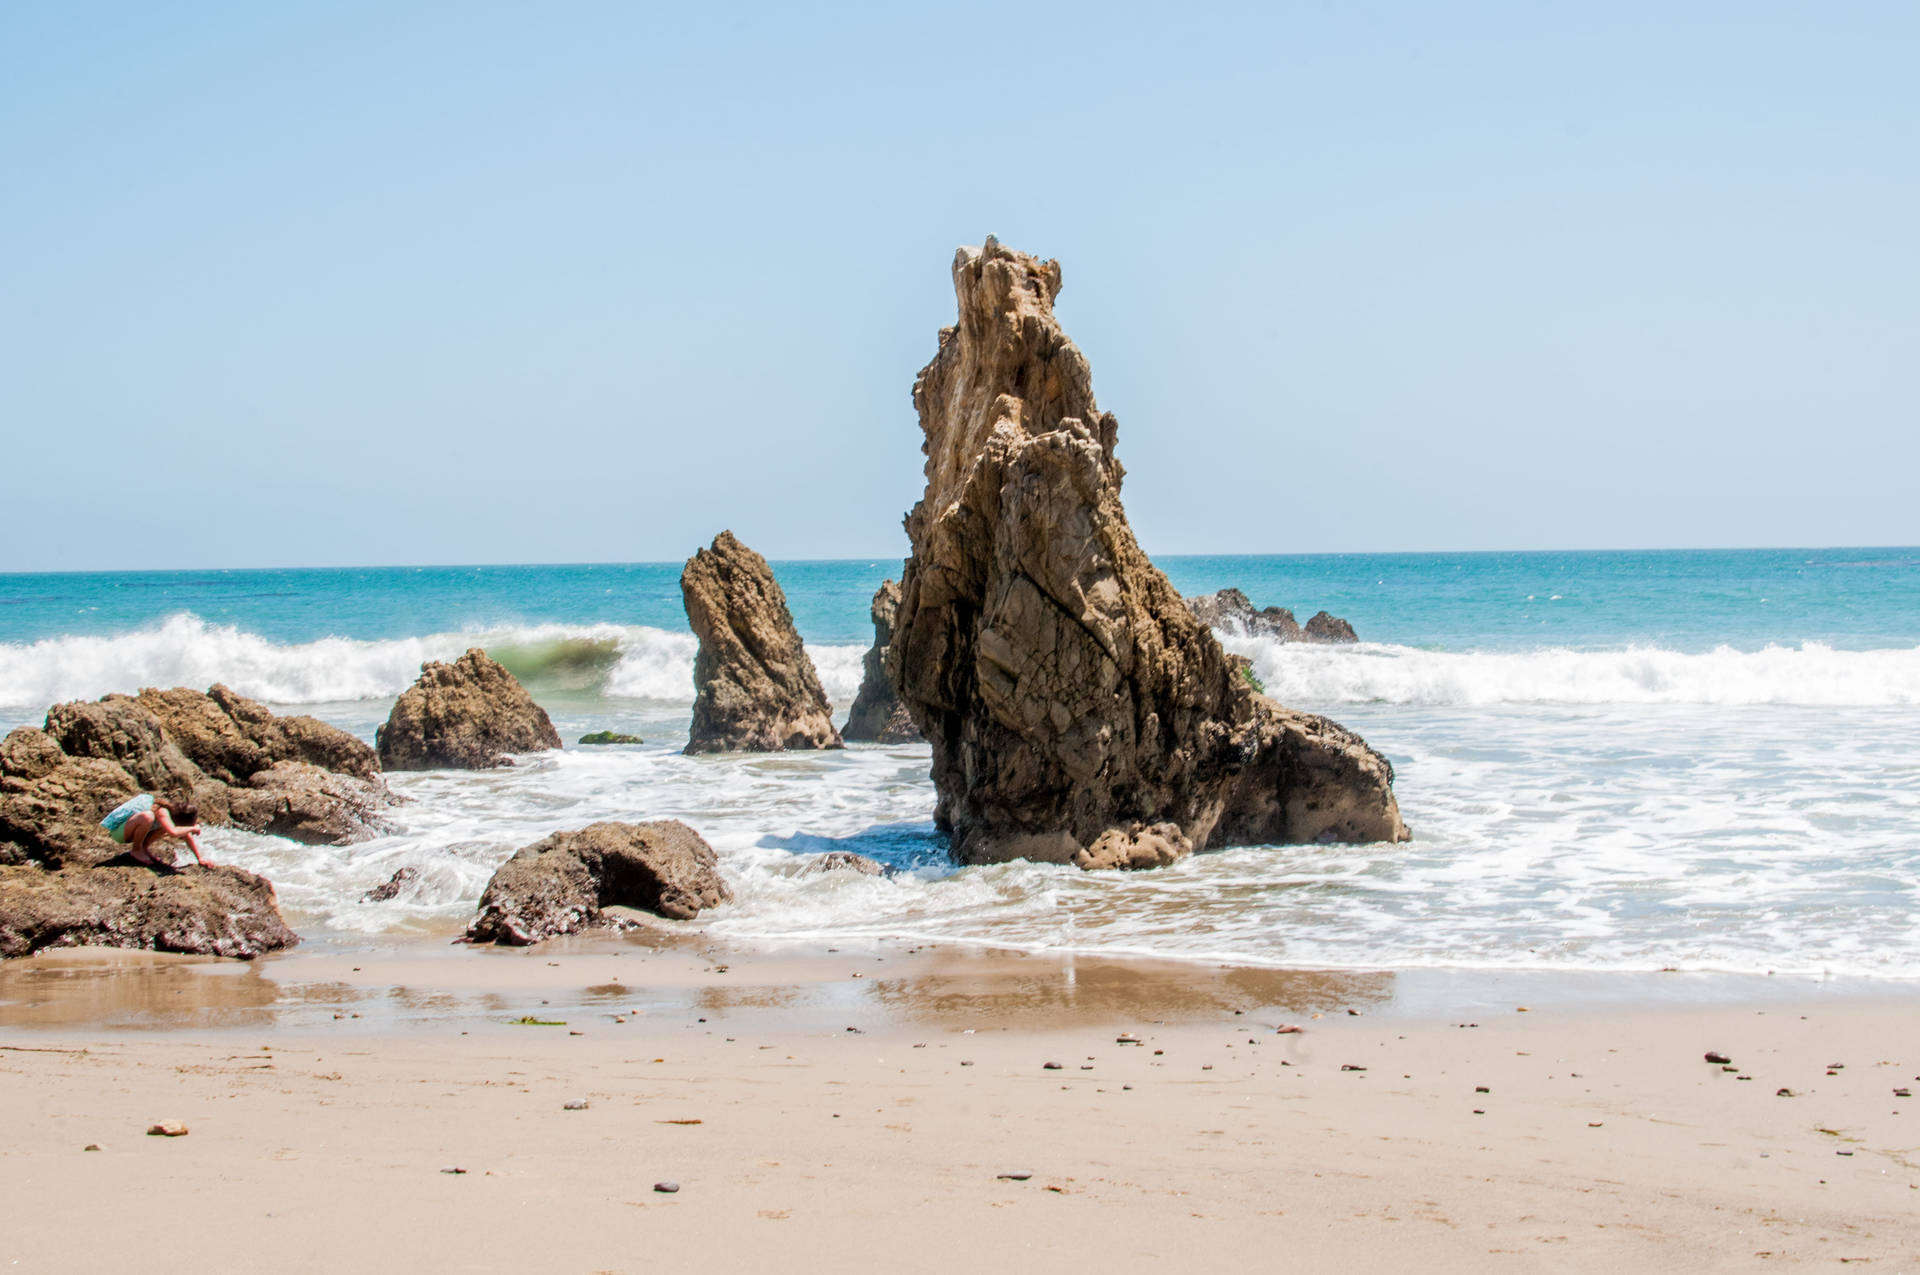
(1704, 759)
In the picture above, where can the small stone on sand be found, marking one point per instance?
(577, 1104)
(167, 1129)
(1717, 1058)
(1013, 1177)
(666, 1188)
(91, 1146)
(1052, 1066)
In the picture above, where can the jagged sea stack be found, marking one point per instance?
(1076, 709)
(755, 688)
(877, 715)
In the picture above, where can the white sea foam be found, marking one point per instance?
(1810, 674)
(633, 662)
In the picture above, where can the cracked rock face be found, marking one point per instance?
(877, 715)
(1076, 709)
(755, 687)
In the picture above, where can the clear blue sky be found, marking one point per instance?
(332, 283)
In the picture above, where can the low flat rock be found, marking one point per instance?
(467, 715)
(218, 911)
(563, 883)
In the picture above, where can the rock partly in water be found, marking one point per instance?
(1329, 629)
(315, 807)
(208, 911)
(755, 688)
(390, 889)
(877, 715)
(1073, 703)
(610, 737)
(466, 715)
(564, 883)
(1230, 611)
(840, 861)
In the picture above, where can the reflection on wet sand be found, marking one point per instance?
(136, 990)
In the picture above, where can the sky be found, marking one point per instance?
(341, 283)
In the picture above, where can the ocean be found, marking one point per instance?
(1702, 760)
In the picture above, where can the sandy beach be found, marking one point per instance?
(862, 1110)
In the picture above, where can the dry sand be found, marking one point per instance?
(328, 1095)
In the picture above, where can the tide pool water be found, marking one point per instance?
(1704, 760)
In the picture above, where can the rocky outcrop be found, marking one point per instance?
(208, 911)
(877, 715)
(1075, 707)
(466, 715)
(51, 804)
(1330, 629)
(120, 730)
(315, 807)
(230, 737)
(755, 688)
(1230, 612)
(564, 883)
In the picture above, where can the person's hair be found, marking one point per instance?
(183, 812)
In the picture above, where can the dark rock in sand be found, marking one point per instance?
(877, 715)
(610, 737)
(755, 688)
(391, 887)
(561, 885)
(466, 715)
(1072, 701)
(840, 861)
(212, 911)
(1329, 629)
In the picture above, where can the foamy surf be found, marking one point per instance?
(635, 662)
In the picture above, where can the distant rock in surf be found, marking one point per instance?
(610, 737)
(466, 715)
(1230, 611)
(389, 889)
(840, 861)
(1074, 705)
(564, 883)
(755, 688)
(877, 715)
(1329, 628)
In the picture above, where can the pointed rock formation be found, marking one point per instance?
(563, 884)
(1074, 705)
(755, 688)
(877, 715)
(466, 715)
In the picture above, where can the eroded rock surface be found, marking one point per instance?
(564, 883)
(467, 715)
(1329, 628)
(218, 911)
(877, 715)
(1230, 611)
(1076, 709)
(840, 861)
(307, 804)
(755, 687)
(231, 737)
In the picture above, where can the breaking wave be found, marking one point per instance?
(1810, 674)
(621, 661)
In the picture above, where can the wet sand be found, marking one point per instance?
(326, 1093)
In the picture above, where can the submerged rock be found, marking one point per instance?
(207, 911)
(610, 737)
(562, 884)
(1074, 705)
(390, 888)
(877, 715)
(755, 688)
(466, 715)
(840, 861)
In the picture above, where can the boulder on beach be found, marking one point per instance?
(467, 715)
(877, 715)
(755, 687)
(1076, 709)
(565, 883)
(217, 911)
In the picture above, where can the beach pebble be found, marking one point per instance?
(92, 1146)
(577, 1104)
(1903, 1093)
(1482, 1089)
(1717, 1058)
(666, 1188)
(1052, 1066)
(452, 1169)
(167, 1129)
(1783, 1092)
(1021, 1176)
(1288, 1029)
(1358, 1067)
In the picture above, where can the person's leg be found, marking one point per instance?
(140, 830)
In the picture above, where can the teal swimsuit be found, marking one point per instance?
(116, 822)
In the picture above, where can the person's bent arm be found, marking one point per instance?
(189, 834)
